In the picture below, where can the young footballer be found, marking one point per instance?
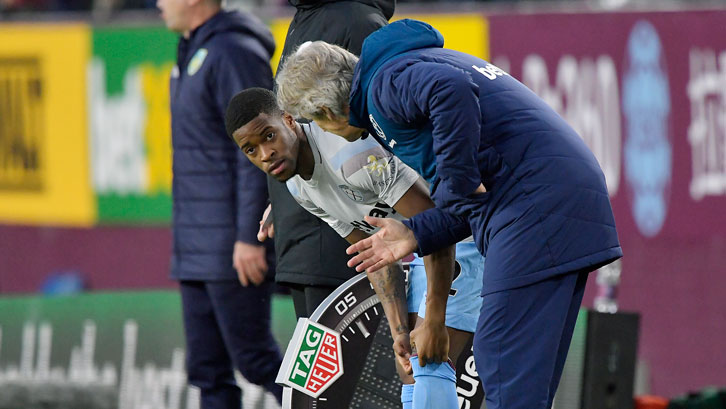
(341, 183)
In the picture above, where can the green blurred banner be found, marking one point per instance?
(129, 123)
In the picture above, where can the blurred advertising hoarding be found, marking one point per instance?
(85, 136)
(44, 172)
(130, 124)
(121, 350)
(647, 92)
(88, 139)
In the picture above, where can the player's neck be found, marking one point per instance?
(306, 159)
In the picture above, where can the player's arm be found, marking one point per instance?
(431, 339)
(389, 284)
(402, 188)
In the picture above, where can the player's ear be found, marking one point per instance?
(288, 120)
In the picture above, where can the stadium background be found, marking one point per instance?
(85, 179)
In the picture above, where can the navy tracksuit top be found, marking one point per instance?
(460, 121)
(218, 194)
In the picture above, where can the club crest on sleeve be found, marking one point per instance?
(196, 63)
(353, 195)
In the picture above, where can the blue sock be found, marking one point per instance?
(407, 396)
(435, 386)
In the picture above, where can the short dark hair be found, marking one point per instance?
(247, 105)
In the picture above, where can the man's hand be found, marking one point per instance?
(431, 341)
(267, 229)
(391, 243)
(402, 350)
(250, 263)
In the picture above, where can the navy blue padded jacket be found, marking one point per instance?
(218, 194)
(460, 122)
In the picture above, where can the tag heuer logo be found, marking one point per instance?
(313, 359)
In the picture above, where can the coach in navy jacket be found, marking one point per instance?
(503, 166)
(218, 198)
(463, 122)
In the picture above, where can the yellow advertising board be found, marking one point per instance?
(278, 27)
(44, 165)
(467, 33)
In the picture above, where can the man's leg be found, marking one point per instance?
(306, 298)
(315, 295)
(407, 378)
(243, 314)
(297, 292)
(209, 367)
(518, 339)
(435, 385)
(567, 333)
(437, 382)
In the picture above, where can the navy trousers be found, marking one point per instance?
(522, 339)
(227, 326)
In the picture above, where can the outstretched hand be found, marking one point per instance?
(391, 243)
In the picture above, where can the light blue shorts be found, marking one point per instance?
(462, 309)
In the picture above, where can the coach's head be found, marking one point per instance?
(315, 84)
(269, 137)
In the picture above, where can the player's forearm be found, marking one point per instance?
(389, 285)
(439, 273)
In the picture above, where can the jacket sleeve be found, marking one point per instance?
(435, 229)
(446, 97)
(236, 70)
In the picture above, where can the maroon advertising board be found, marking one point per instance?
(647, 92)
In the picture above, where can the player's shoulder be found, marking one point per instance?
(349, 157)
(328, 144)
(295, 187)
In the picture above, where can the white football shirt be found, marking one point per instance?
(351, 180)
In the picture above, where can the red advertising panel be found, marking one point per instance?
(647, 92)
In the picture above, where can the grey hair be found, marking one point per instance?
(317, 75)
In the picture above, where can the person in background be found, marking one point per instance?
(218, 198)
(311, 258)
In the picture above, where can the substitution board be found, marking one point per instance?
(341, 357)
